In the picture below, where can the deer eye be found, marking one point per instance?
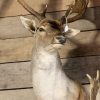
(41, 29)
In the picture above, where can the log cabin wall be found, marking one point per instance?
(79, 56)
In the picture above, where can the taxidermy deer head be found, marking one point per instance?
(49, 80)
(54, 31)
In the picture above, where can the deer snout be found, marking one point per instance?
(61, 39)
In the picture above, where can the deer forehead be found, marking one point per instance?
(51, 23)
(51, 26)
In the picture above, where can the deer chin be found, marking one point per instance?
(57, 46)
(53, 47)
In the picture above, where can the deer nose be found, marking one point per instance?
(61, 39)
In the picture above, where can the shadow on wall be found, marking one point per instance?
(81, 63)
(4, 5)
(86, 56)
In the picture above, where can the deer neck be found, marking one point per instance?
(44, 54)
(43, 44)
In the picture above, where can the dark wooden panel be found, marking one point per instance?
(11, 27)
(77, 68)
(18, 75)
(93, 3)
(13, 8)
(20, 49)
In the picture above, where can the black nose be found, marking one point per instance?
(61, 39)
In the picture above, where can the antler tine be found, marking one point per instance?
(64, 18)
(44, 11)
(94, 85)
(79, 7)
(30, 10)
(68, 11)
(98, 75)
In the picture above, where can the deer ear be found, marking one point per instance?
(71, 32)
(28, 23)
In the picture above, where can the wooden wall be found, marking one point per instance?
(79, 56)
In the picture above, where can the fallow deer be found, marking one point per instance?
(48, 79)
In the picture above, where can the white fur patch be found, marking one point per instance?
(66, 28)
(49, 81)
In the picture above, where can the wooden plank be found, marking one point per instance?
(20, 49)
(12, 50)
(94, 3)
(11, 27)
(25, 94)
(15, 75)
(18, 75)
(13, 8)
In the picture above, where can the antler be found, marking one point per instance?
(94, 86)
(44, 11)
(79, 7)
(32, 11)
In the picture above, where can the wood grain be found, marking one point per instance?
(11, 27)
(94, 3)
(18, 75)
(25, 94)
(20, 49)
(22, 94)
(12, 50)
(15, 75)
(13, 8)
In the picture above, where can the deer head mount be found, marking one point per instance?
(53, 33)
(54, 28)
